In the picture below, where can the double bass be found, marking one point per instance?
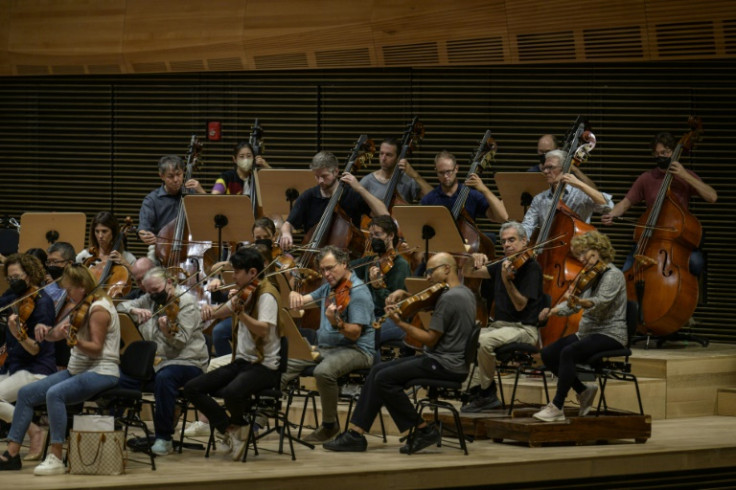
(559, 267)
(475, 240)
(660, 280)
(171, 245)
(256, 142)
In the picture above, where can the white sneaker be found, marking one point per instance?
(162, 447)
(550, 413)
(50, 466)
(197, 429)
(224, 443)
(585, 399)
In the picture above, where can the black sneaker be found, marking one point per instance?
(348, 442)
(482, 404)
(421, 439)
(13, 463)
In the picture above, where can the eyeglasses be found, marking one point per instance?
(430, 270)
(327, 268)
(446, 172)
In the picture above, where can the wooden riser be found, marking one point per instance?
(727, 402)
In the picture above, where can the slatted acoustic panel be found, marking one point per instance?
(88, 143)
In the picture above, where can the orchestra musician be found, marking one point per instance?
(547, 143)
(411, 187)
(310, 205)
(93, 368)
(103, 233)
(346, 338)
(452, 322)
(255, 360)
(27, 360)
(481, 201)
(182, 351)
(59, 255)
(518, 296)
(161, 205)
(602, 327)
(383, 233)
(685, 184)
(580, 197)
(138, 270)
(235, 181)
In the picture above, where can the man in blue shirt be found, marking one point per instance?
(346, 338)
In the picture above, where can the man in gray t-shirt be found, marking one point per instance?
(445, 341)
(411, 186)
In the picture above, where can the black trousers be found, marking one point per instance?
(385, 386)
(561, 356)
(235, 383)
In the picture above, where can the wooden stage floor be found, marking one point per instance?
(676, 445)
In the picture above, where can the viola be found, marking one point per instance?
(423, 300)
(245, 296)
(584, 281)
(341, 294)
(172, 313)
(77, 318)
(24, 309)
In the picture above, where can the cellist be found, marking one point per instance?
(581, 198)
(310, 205)
(685, 184)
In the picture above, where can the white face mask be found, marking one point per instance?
(245, 164)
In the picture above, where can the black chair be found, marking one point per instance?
(604, 368)
(268, 403)
(126, 404)
(445, 389)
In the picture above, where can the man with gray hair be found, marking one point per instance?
(580, 197)
(518, 296)
(311, 204)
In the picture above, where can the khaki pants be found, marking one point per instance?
(495, 335)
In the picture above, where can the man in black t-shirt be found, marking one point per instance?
(310, 205)
(518, 298)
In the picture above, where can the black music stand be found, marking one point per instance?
(279, 188)
(517, 190)
(432, 226)
(39, 230)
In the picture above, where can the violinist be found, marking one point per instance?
(310, 205)
(27, 360)
(103, 233)
(346, 339)
(384, 239)
(580, 197)
(161, 205)
(547, 143)
(255, 360)
(59, 255)
(411, 187)
(480, 202)
(93, 368)
(181, 346)
(518, 297)
(452, 323)
(685, 185)
(602, 327)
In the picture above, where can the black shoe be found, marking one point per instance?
(13, 463)
(348, 442)
(482, 404)
(421, 439)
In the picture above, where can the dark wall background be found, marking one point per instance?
(91, 143)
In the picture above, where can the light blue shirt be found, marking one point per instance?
(574, 198)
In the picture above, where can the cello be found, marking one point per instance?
(475, 240)
(660, 280)
(114, 279)
(171, 249)
(559, 267)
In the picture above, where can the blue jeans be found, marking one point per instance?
(166, 386)
(222, 334)
(390, 331)
(58, 390)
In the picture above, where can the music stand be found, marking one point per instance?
(274, 184)
(216, 218)
(431, 226)
(513, 185)
(39, 230)
(299, 348)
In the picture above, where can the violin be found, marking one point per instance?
(172, 313)
(584, 281)
(385, 263)
(423, 300)
(77, 318)
(245, 296)
(341, 295)
(24, 309)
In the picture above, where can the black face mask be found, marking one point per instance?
(542, 158)
(19, 286)
(662, 162)
(55, 271)
(265, 242)
(378, 246)
(160, 297)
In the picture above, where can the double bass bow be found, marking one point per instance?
(660, 279)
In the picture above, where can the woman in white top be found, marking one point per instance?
(93, 368)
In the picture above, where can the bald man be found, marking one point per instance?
(547, 143)
(451, 325)
(138, 270)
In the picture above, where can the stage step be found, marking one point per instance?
(726, 402)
